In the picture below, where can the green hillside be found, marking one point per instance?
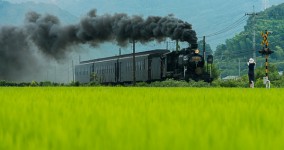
(232, 55)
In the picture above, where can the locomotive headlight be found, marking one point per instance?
(196, 51)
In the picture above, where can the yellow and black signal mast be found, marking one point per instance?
(265, 51)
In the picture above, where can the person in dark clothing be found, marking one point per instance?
(251, 65)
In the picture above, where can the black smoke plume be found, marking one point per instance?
(52, 39)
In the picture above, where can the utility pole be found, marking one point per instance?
(73, 73)
(55, 73)
(177, 46)
(204, 49)
(134, 63)
(239, 67)
(253, 19)
(68, 72)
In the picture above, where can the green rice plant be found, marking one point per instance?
(36, 118)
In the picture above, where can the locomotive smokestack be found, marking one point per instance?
(53, 39)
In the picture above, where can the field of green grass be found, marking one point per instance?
(141, 118)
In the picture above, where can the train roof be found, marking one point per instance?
(156, 51)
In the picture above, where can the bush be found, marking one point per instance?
(169, 83)
(242, 82)
(94, 83)
(45, 83)
(3, 83)
(76, 83)
(198, 84)
(34, 83)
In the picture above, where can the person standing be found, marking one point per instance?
(251, 65)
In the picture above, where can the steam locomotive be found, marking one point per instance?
(154, 65)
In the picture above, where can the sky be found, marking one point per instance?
(206, 16)
(187, 10)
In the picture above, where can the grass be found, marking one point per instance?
(141, 118)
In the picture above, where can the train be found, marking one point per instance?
(153, 65)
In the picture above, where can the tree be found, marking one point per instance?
(279, 53)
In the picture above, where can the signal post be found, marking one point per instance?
(265, 51)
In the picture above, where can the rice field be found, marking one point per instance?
(114, 118)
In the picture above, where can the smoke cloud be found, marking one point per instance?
(52, 39)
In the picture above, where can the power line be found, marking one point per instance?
(230, 27)
(219, 37)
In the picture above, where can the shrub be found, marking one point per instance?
(3, 83)
(34, 83)
(94, 83)
(76, 83)
(45, 83)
